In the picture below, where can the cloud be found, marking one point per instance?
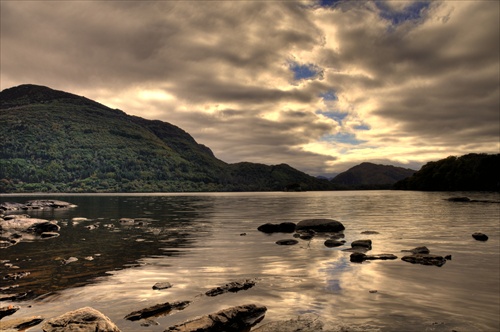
(319, 85)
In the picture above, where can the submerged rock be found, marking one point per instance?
(287, 242)
(480, 236)
(234, 319)
(232, 287)
(362, 243)
(82, 320)
(303, 323)
(320, 225)
(330, 243)
(159, 309)
(459, 199)
(425, 259)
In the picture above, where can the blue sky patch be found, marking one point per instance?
(329, 3)
(362, 127)
(346, 138)
(304, 72)
(329, 95)
(337, 116)
(412, 12)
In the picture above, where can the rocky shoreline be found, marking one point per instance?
(15, 228)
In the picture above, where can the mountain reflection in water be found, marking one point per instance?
(200, 241)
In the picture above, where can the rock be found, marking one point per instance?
(16, 275)
(303, 323)
(54, 204)
(425, 259)
(370, 232)
(480, 236)
(18, 296)
(22, 223)
(82, 320)
(50, 226)
(284, 227)
(232, 287)
(320, 225)
(287, 242)
(418, 250)
(330, 243)
(234, 319)
(362, 243)
(69, 260)
(7, 311)
(11, 206)
(459, 199)
(162, 285)
(20, 324)
(159, 309)
(359, 257)
(48, 235)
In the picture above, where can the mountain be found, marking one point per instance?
(371, 176)
(471, 172)
(54, 141)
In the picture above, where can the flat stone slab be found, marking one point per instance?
(320, 225)
(303, 323)
(231, 287)
(159, 309)
(233, 319)
(425, 259)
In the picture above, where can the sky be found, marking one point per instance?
(319, 85)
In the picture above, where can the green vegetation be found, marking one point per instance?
(475, 172)
(53, 141)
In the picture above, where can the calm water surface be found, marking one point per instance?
(200, 241)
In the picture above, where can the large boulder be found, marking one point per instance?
(81, 320)
(234, 319)
(320, 225)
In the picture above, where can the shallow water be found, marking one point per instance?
(200, 241)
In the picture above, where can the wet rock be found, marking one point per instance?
(69, 260)
(234, 319)
(359, 257)
(50, 226)
(425, 259)
(320, 225)
(11, 206)
(370, 232)
(480, 236)
(47, 235)
(232, 287)
(303, 323)
(162, 285)
(7, 311)
(418, 250)
(284, 227)
(16, 275)
(82, 320)
(330, 243)
(362, 243)
(20, 324)
(47, 203)
(459, 199)
(159, 309)
(18, 296)
(287, 242)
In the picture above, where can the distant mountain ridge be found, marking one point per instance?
(371, 176)
(54, 141)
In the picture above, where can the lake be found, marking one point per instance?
(200, 241)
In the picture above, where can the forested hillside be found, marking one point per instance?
(53, 141)
(371, 176)
(477, 172)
